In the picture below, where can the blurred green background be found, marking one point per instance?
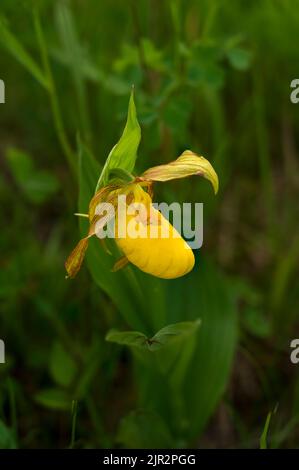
(210, 76)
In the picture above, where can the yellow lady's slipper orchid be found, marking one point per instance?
(166, 254)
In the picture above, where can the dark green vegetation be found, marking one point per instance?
(210, 76)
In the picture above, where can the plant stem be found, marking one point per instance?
(13, 408)
(74, 421)
(59, 126)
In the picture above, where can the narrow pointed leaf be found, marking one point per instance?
(75, 259)
(264, 436)
(124, 153)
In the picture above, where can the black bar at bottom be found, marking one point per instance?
(136, 458)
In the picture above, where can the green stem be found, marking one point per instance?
(13, 408)
(74, 421)
(57, 117)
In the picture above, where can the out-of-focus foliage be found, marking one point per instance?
(210, 76)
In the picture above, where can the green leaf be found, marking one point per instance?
(15, 48)
(62, 366)
(173, 332)
(164, 337)
(264, 436)
(53, 398)
(7, 439)
(144, 430)
(37, 185)
(127, 338)
(239, 58)
(124, 153)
